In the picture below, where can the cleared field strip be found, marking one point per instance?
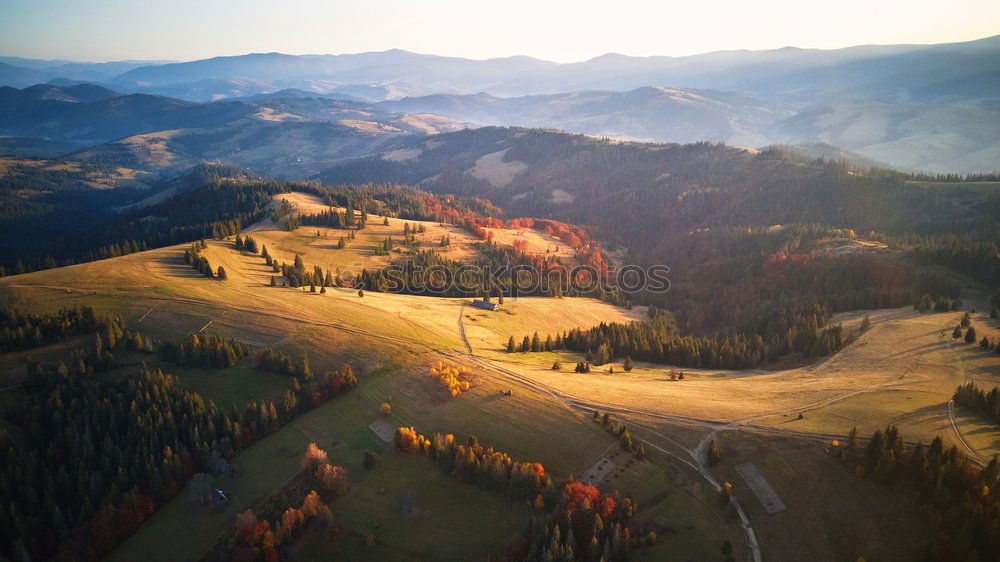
(764, 492)
(596, 473)
(383, 429)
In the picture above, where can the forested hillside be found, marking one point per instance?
(740, 230)
(53, 217)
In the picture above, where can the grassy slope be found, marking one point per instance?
(901, 371)
(441, 519)
(830, 514)
(392, 339)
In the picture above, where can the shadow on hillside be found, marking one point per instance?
(176, 267)
(918, 350)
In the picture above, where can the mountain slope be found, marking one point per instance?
(956, 137)
(623, 188)
(88, 114)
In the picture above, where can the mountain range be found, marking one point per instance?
(932, 108)
(922, 73)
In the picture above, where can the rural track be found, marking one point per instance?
(951, 409)
(573, 402)
(576, 404)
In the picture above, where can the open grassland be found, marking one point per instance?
(360, 253)
(830, 514)
(527, 425)
(674, 501)
(233, 387)
(416, 513)
(901, 371)
(318, 245)
(391, 340)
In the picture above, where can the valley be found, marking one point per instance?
(277, 286)
(899, 371)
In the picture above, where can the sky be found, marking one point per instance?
(103, 30)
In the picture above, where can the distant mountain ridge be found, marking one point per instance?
(922, 73)
(956, 137)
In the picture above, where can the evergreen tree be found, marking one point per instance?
(628, 364)
(957, 332)
(852, 438)
(222, 274)
(970, 335)
(510, 345)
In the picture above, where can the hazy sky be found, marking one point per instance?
(102, 30)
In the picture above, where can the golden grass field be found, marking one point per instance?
(900, 371)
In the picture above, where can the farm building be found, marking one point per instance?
(485, 305)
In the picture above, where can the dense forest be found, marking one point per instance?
(740, 231)
(87, 459)
(21, 330)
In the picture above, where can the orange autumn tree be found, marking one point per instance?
(478, 465)
(451, 377)
(333, 478)
(314, 457)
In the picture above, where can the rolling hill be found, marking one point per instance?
(614, 186)
(516, 401)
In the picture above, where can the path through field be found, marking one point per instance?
(699, 464)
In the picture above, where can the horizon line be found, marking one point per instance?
(160, 62)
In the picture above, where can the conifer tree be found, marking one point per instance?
(970, 335)
(510, 345)
(222, 274)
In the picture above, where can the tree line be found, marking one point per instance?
(22, 330)
(574, 521)
(658, 341)
(961, 501)
(265, 531)
(195, 350)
